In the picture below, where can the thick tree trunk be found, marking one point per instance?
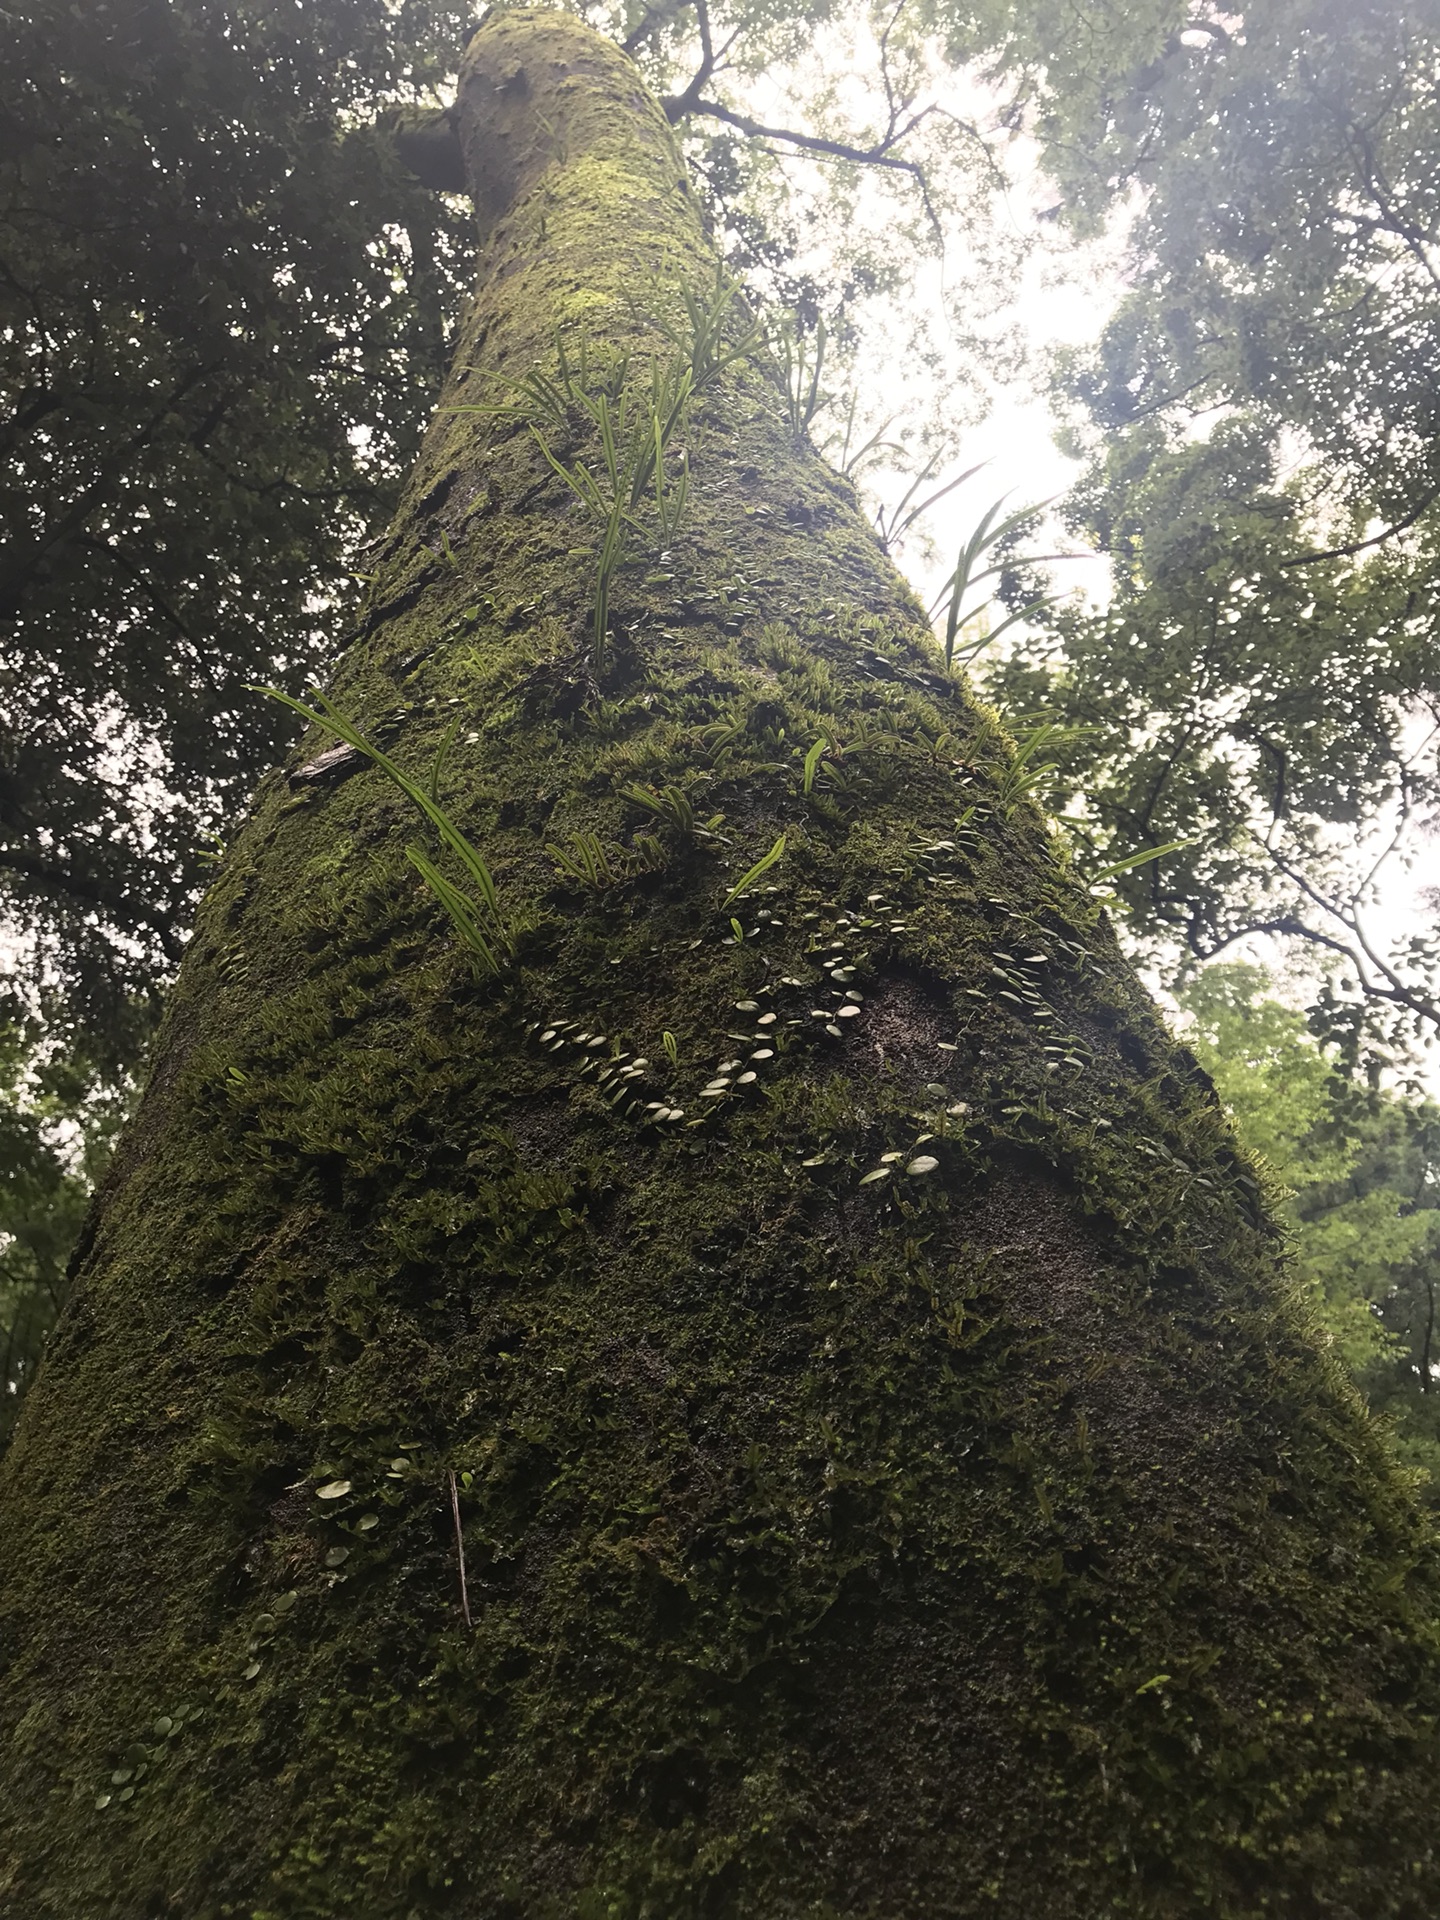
(985, 1538)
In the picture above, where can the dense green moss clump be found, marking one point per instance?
(894, 1480)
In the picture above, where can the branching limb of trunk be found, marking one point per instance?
(1351, 548)
(879, 154)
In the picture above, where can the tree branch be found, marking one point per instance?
(115, 900)
(686, 102)
(1376, 540)
(1358, 949)
(881, 153)
(676, 107)
(654, 20)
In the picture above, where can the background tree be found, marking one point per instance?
(222, 333)
(1359, 1171)
(719, 1185)
(57, 1121)
(1260, 418)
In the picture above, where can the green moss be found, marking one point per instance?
(982, 1541)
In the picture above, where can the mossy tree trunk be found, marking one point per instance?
(896, 1483)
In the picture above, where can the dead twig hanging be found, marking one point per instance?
(460, 1549)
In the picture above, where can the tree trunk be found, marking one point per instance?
(898, 1483)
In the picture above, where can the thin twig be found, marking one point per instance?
(1378, 980)
(652, 21)
(460, 1549)
(893, 112)
(678, 106)
(1375, 540)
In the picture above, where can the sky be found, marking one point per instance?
(1009, 280)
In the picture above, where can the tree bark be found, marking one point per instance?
(987, 1537)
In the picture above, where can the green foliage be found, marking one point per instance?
(813, 757)
(893, 524)
(991, 534)
(476, 917)
(799, 365)
(747, 879)
(587, 859)
(849, 455)
(1259, 419)
(715, 333)
(633, 436)
(1132, 861)
(672, 806)
(1361, 1175)
(221, 333)
(57, 1122)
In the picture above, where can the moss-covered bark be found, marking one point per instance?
(982, 1540)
